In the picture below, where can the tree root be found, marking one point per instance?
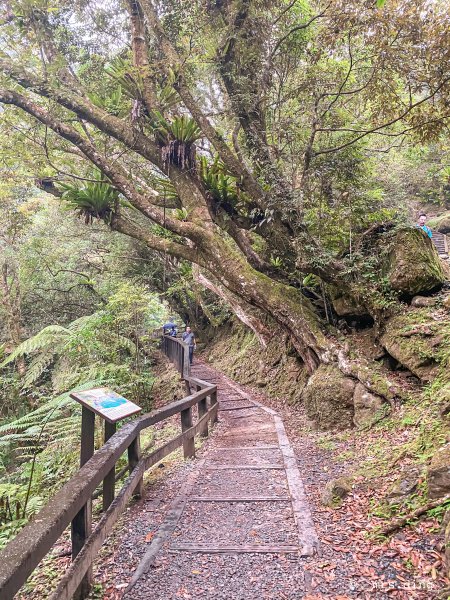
(375, 381)
(401, 522)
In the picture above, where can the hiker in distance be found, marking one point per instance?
(189, 339)
(421, 225)
(170, 328)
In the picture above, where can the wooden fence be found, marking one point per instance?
(178, 352)
(72, 505)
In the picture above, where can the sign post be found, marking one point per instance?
(111, 407)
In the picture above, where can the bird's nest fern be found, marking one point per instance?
(93, 200)
(176, 138)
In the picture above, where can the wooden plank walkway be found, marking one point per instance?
(244, 498)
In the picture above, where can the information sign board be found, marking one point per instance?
(108, 404)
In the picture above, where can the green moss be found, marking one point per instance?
(441, 223)
(413, 265)
(328, 398)
(419, 340)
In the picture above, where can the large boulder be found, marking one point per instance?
(438, 473)
(441, 224)
(423, 301)
(412, 265)
(328, 398)
(368, 407)
(414, 339)
(346, 306)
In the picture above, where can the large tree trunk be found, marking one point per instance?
(286, 305)
(290, 309)
(242, 311)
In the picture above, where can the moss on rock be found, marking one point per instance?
(441, 223)
(369, 408)
(414, 339)
(438, 474)
(345, 305)
(275, 368)
(335, 491)
(413, 265)
(328, 398)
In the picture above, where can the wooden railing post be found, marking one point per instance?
(109, 481)
(186, 362)
(213, 402)
(134, 454)
(202, 410)
(186, 423)
(81, 525)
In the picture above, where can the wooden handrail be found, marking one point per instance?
(74, 575)
(178, 352)
(26, 550)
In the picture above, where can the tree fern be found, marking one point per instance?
(51, 336)
(37, 367)
(59, 411)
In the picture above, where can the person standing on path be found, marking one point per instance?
(189, 339)
(421, 225)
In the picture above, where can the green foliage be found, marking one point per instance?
(220, 184)
(38, 450)
(129, 83)
(276, 261)
(112, 102)
(311, 281)
(127, 78)
(181, 214)
(92, 200)
(166, 188)
(181, 128)
(97, 346)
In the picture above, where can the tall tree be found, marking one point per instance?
(12, 230)
(208, 122)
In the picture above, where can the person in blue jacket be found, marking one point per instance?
(170, 328)
(421, 225)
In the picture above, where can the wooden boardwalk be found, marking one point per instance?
(242, 504)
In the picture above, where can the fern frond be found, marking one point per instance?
(51, 336)
(37, 366)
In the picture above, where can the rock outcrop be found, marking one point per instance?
(328, 398)
(412, 265)
(441, 224)
(414, 340)
(438, 473)
(335, 491)
(368, 407)
(405, 485)
(345, 306)
(423, 301)
(407, 261)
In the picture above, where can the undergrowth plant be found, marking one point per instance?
(39, 450)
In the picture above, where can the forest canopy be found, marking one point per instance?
(245, 137)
